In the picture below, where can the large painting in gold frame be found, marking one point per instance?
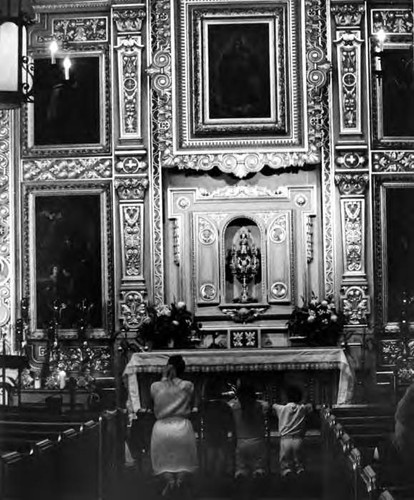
(67, 255)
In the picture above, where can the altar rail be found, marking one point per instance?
(144, 367)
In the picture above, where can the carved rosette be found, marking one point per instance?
(393, 161)
(130, 189)
(133, 310)
(130, 165)
(131, 240)
(5, 254)
(67, 169)
(355, 304)
(350, 160)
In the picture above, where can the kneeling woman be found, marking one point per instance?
(173, 443)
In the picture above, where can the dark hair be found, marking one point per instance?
(177, 361)
(246, 394)
(294, 394)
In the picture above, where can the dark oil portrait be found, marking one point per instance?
(239, 71)
(66, 111)
(68, 258)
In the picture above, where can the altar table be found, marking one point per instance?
(242, 360)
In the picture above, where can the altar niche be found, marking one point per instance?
(243, 262)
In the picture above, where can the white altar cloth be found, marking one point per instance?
(231, 360)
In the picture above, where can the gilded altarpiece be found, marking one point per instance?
(275, 239)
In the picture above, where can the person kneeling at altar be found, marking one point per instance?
(173, 442)
(249, 424)
(292, 426)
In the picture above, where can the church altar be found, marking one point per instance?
(205, 362)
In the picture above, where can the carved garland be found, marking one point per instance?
(393, 161)
(67, 169)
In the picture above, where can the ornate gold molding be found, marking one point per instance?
(348, 15)
(393, 161)
(352, 184)
(5, 210)
(56, 169)
(355, 304)
(131, 240)
(351, 160)
(129, 20)
(130, 165)
(132, 188)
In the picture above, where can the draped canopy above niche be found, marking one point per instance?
(238, 85)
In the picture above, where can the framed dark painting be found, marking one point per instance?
(239, 71)
(394, 88)
(239, 74)
(69, 112)
(67, 257)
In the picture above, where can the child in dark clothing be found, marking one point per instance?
(249, 422)
(292, 426)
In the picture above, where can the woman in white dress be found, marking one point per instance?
(173, 442)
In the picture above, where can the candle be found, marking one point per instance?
(62, 379)
(53, 47)
(37, 382)
(67, 64)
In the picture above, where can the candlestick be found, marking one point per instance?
(62, 379)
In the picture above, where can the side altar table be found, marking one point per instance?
(145, 367)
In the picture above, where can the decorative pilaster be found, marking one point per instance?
(354, 290)
(131, 184)
(128, 46)
(5, 243)
(348, 40)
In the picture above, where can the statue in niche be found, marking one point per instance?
(244, 263)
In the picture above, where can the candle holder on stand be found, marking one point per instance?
(85, 309)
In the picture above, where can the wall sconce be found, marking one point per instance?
(16, 72)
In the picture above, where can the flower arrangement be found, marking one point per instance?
(169, 326)
(318, 322)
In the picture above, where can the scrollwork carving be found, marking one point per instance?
(392, 21)
(131, 188)
(133, 309)
(352, 184)
(348, 15)
(55, 169)
(355, 304)
(131, 240)
(353, 232)
(244, 191)
(80, 29)
(129, 20)
(393, 161)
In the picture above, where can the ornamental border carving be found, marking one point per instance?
(132, 188)
(5, 220)
(130, 165)
(392, 162)
(240, 164)
(133, 309)
(352, 184)
(59, 169)
(349, 77)
(128, 20)
(355, 303)
(348, 15)
(353, 231)
(395, 21)
(351, 160)
(131, 222)
(28, 286)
